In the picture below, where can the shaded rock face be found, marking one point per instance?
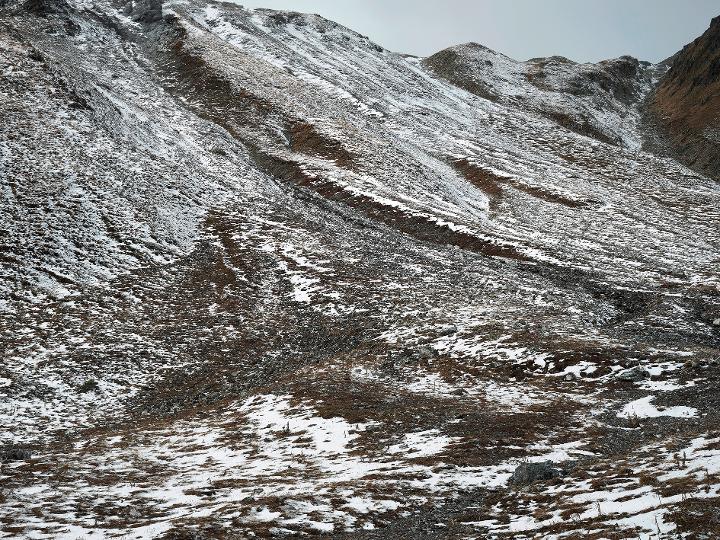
(144, 11)
(686, 104)
(46, 7)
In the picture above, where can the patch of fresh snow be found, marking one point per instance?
(644, 408)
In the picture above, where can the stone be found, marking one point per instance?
(426, 353)
(448, 330)
(146, 11)
(633, 375)
(528, 473)
(15, 454)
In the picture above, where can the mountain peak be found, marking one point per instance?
(597, 100)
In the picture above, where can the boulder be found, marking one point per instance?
(528, 473)
(15, 454)
(633, 375)
(425, 353)
(144, 11)
(448, 330)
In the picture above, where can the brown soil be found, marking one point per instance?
(490, 183)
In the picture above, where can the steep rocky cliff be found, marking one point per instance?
(686, 104)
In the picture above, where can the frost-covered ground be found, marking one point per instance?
(599, 100)
(260, 276)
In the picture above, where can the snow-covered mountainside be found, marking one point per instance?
(261, 277)
(596, 100)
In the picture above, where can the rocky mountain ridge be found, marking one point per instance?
(597, 100)
(669, 108)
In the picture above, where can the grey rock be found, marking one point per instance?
(145, 11)
(528, 473)
(448, 330)
(426, 353)
(88, 386)
(15, 454)
(633, 375)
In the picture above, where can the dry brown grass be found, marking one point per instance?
(697, 518)
(490, 183)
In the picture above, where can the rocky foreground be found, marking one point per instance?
(261, 277)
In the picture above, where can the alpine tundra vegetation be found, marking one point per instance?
(261, 277)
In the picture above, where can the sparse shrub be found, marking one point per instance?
(647, 480)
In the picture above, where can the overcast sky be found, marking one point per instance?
(582, 30)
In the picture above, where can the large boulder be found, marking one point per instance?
(529, 473)
(144, 11)
(15, 454)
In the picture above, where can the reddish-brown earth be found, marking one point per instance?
(687, 102)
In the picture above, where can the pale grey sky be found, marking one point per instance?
(583, 30)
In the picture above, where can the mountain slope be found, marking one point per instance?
(687, 102)
(262, 277)
(597, 100)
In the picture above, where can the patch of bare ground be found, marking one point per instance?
(697, 519)
(417, 226)
(482, 433)
(306, 139)
(487, 181)
(490, 183)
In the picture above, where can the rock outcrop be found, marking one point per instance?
(686, 104)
